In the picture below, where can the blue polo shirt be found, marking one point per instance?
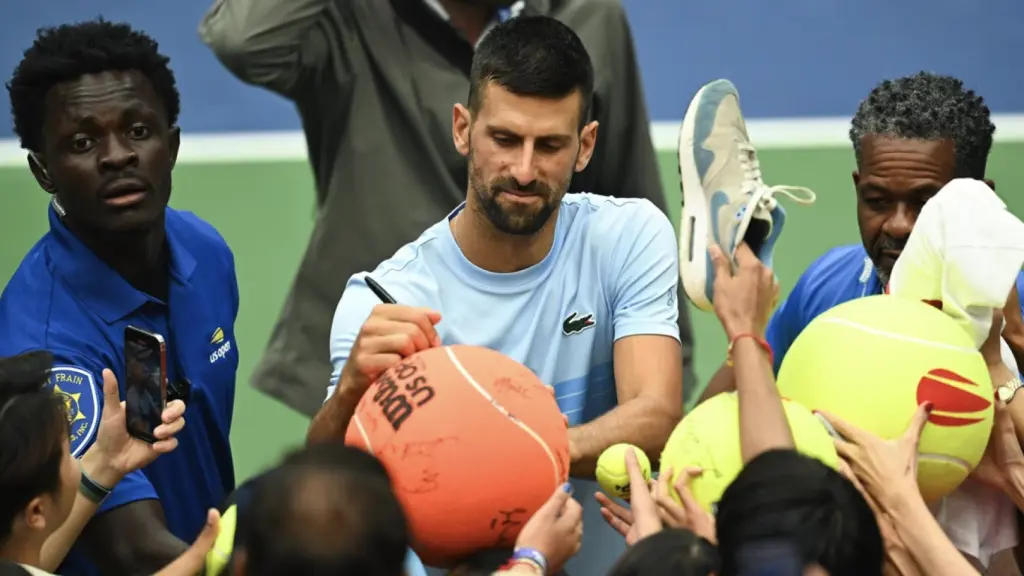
(842, 274)
(64, 299)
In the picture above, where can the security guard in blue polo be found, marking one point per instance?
(95, 105)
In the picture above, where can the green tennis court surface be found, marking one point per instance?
(265, 212)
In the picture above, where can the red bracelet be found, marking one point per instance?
(760, 342)
(516, 562)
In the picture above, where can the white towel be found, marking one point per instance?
(965, 252)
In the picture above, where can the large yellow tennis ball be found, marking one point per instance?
(709, 438)
(611, 469)
(873, 360)
(218, 557)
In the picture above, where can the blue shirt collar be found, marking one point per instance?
(104, 291)
(869, 281)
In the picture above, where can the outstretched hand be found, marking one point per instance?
(885, 468)
(641, 519)
(688, 515)
(116, 453)
(744, 294)
(555, 529)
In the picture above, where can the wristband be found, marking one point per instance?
(531, 556)
(760, 342)
(91, 489)
(511, 566)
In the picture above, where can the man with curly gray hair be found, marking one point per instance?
(911, 136)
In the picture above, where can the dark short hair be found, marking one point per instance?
(533, 56)
(671, 552)
(782, 495)
(68, 52)
(327, 509)
(929, 106)
(33, 430)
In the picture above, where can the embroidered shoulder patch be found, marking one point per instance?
(76, 386)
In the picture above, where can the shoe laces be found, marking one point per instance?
(753, 183)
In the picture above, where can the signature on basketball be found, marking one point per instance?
(425, 481)
(508, 523)
(709, 465)
(419, 448)
(506, 384)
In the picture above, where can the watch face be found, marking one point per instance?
(1004, 393)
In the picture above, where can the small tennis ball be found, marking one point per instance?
(218, 557)
(611, 469)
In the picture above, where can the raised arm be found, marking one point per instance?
(744, 295)
(276, 44)
(107, 461)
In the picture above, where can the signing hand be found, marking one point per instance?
(116, 453)
(391, 333)
(555, 530)
(886, 469)
(689, 514)
(745, 294)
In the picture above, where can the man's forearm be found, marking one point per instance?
(644, 422)
(260, 40)
(763, 423)
(132, 539)
(724, 380)
(331, 423)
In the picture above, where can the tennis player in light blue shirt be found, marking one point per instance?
(609, 276)
(579, 288)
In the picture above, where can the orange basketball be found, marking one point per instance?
(473, 441)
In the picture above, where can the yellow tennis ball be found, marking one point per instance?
(872, 361)
(709, 438)
(218, 557)
(611, 469)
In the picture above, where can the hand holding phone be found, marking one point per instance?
(145, 372)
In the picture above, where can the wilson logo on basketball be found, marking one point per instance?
(952, 404)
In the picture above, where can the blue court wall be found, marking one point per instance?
(789, 57)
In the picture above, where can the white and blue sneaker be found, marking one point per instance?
(725, 200)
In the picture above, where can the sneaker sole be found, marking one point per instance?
(694, 264)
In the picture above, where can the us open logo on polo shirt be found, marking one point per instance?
(76, 387)
(223, 349)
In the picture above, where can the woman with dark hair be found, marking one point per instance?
(48, 496)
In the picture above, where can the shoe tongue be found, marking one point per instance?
(759, 230)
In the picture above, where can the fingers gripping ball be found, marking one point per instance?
(709, 438)
(611, 469)
(218, 557)
(473, 441)
(873, 360)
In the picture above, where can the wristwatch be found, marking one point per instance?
(1006, 392)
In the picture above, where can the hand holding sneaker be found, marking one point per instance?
(744, 295)
(725, 199)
